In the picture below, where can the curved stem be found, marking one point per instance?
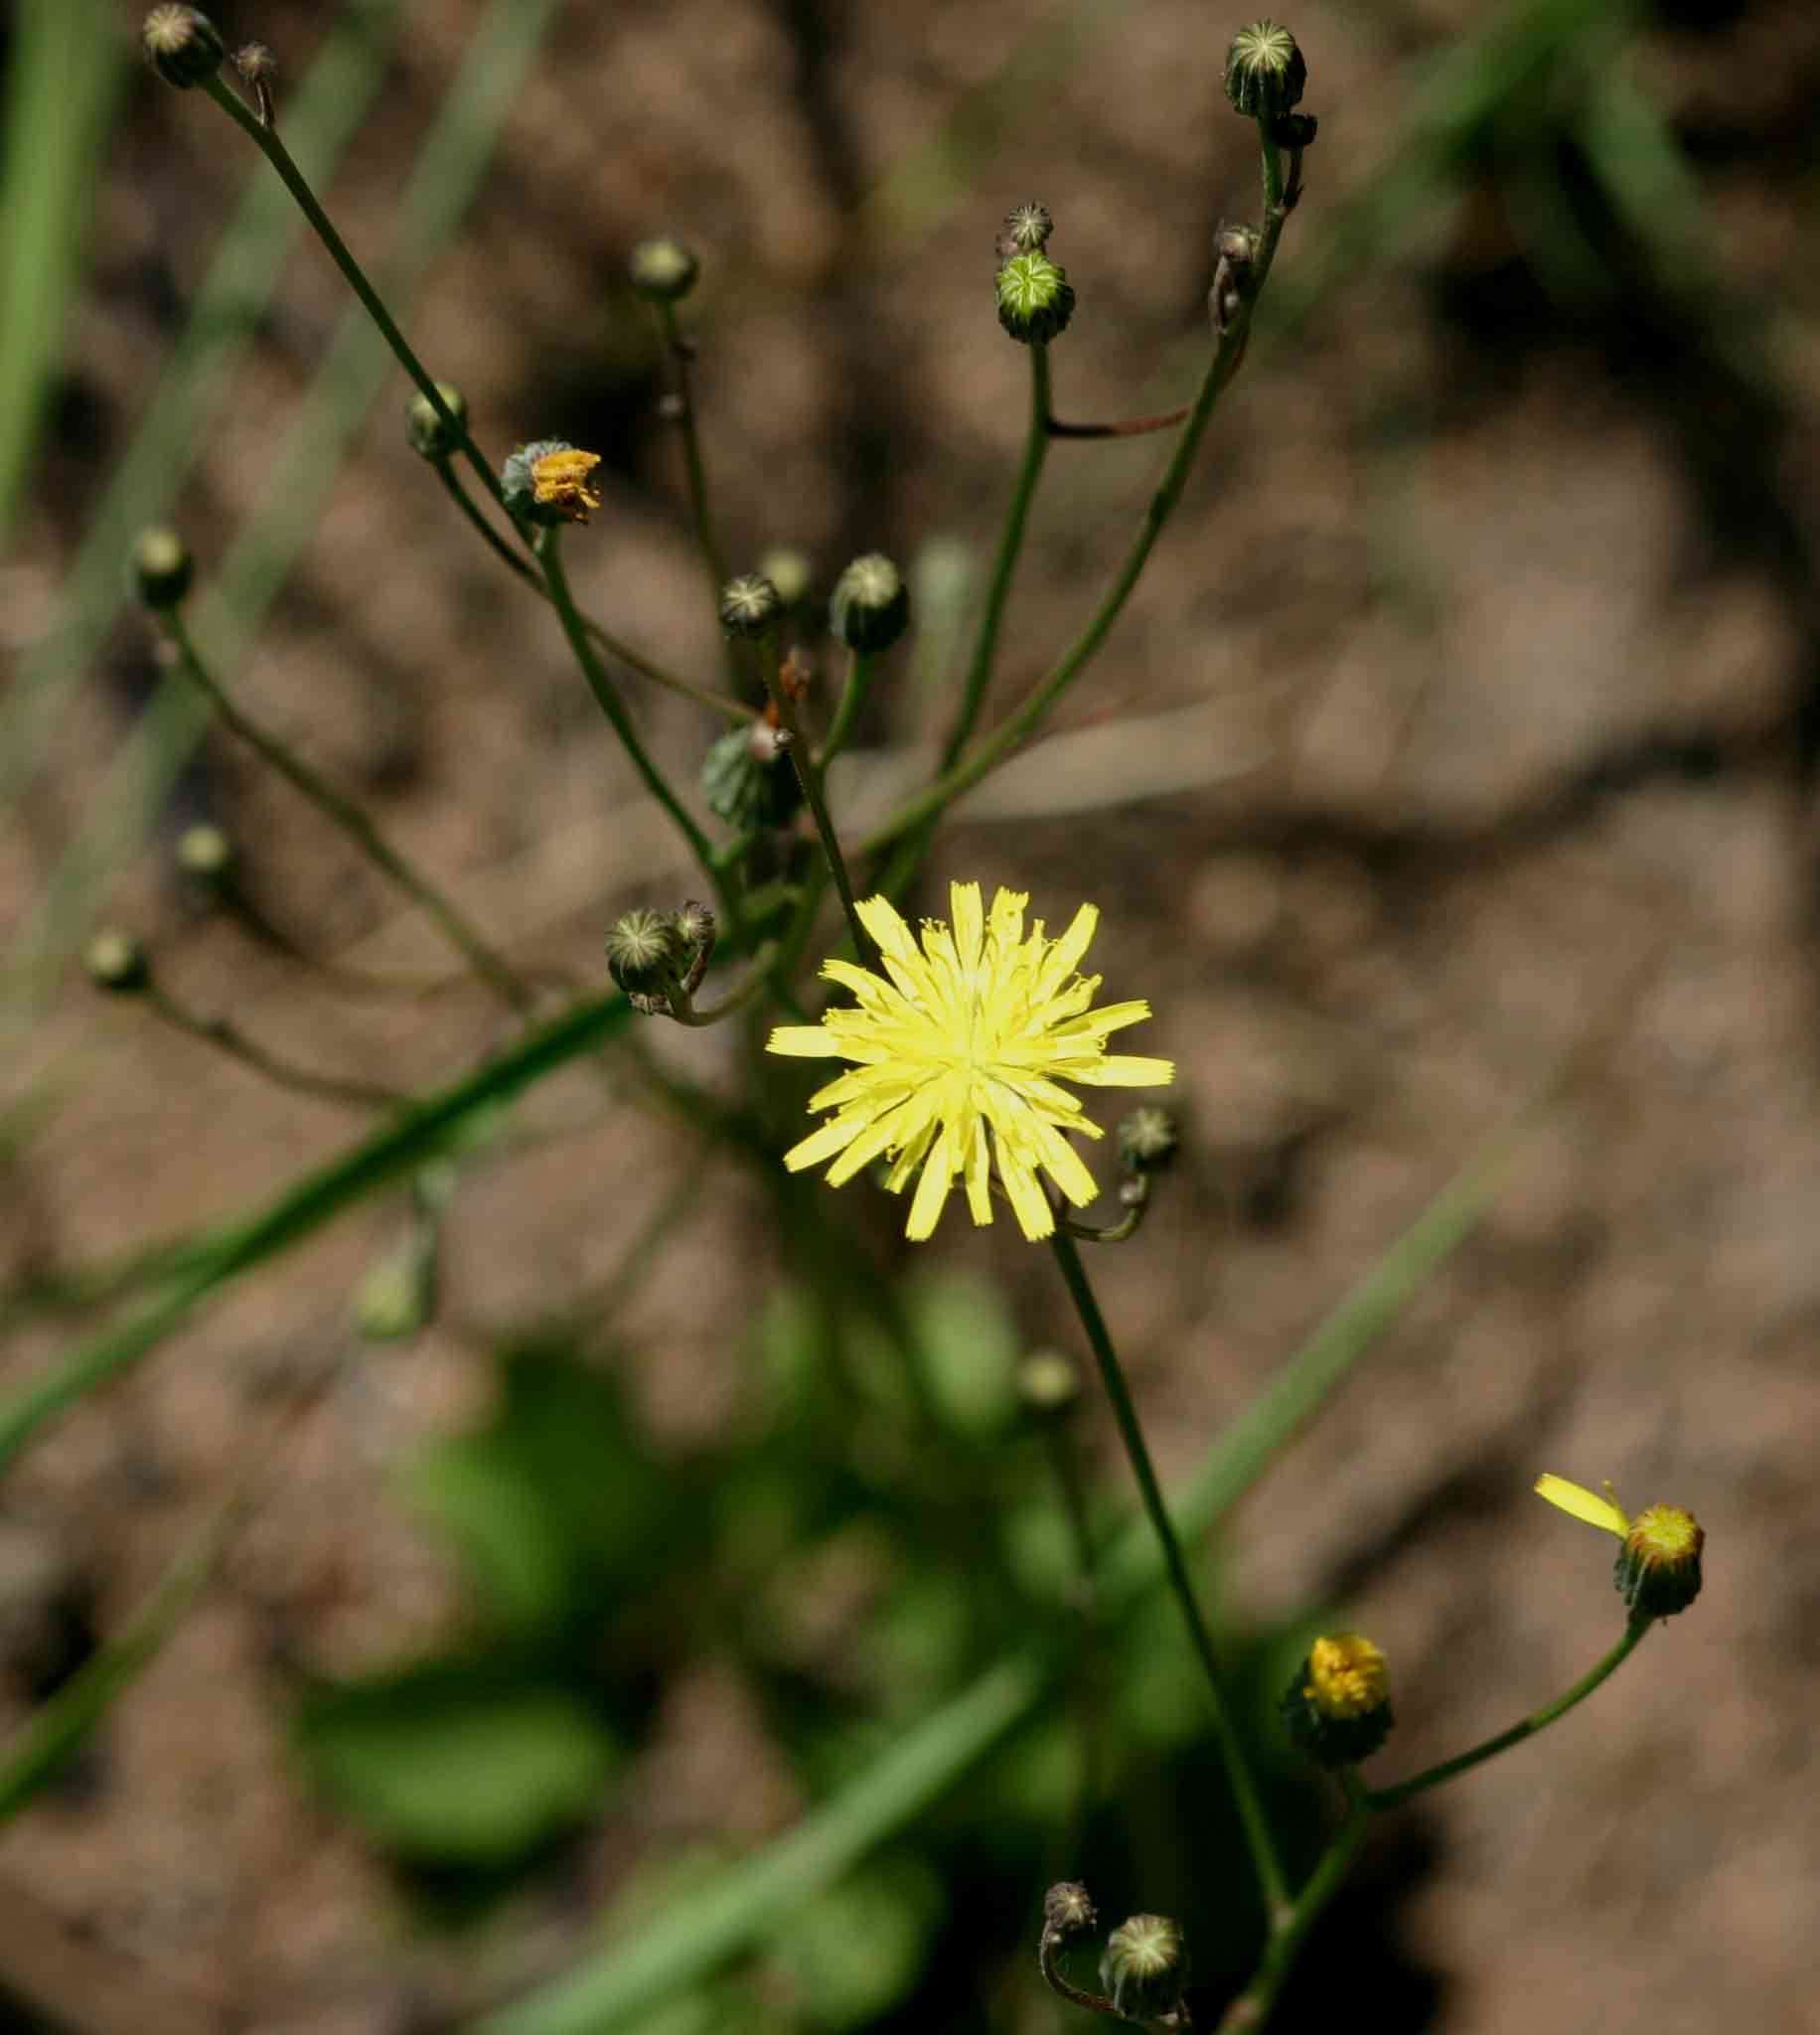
(227, 1038)
(549, 555)
(1253, 2007)
(1128, 427)
(1527, 1727)
(810, 778)
(736, 1000)
(486, 962)
(1257, 1829)
(859, 668)
(515, 561)
(266, 140)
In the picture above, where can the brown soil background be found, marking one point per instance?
(1459, 718)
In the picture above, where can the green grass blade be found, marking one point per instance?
(321, 117)
(447, 173)
(317, 1198)
(61, 90)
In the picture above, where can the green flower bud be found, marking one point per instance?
(1658, 1566)
(789, 570)
(427, 435)
(117, 962)
(871, 609)
(1337, 1708)
(1035, 301)
(1147, 1139)
(1144, 1967)
(1026, 230)
(397, 1296)
(181, 44)
(1265, 72)
(746, 780)
(644, 953)
(256, 62)
(749, 605)
(1048, 1383)
(662, 271)
(161, 567)
(205, 855)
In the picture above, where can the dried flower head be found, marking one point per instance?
(547, 481)
(961, 1045)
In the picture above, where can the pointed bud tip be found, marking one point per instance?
(181, 44)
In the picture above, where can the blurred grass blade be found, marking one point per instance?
(447, 173)
(321, 117)
(625, 1982)
(60, 89)
(317, 1198)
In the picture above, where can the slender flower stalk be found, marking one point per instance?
(227, 1038)
(1253, 2007)
(549, 555)
(700, 514)
(734, 1001)
(486, 962)
(1258, 1838)
(1526, 1727)
(622, 653)
(265, 139)
(859, 670)
(810, 778)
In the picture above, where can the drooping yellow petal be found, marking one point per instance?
(1583, 1504)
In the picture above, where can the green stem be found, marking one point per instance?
(266, 140)
(860, 669)
(715, 703)
(1253, 2007)
(810, 778)
(1012, 732)
(549, 555)
(699, 514)
(1258, 1836)
(736, 1000)
(1527, 1727)
(486, 962)
(227, 1038)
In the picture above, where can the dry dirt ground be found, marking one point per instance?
(1460, 722)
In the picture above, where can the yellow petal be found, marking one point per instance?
(833, 1135)
(803, 1042)
(1582, 1504)
(931, 1193)
(1126, 1070)
(969, 922)
(882, 920)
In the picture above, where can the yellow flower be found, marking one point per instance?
(972, 1033)
(561, 480)
(1348, 1676)
(1658, 1566)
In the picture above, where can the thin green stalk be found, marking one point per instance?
(515, 561)
(266, 140)
(1258, 1837)
(1013, 731)
(860, 665)
(229, 1038)
(490, 966)
(734, 1001)
(1527, 1727)
(700, 514)
(810, 778)
(549, 555)
(1253, 2007)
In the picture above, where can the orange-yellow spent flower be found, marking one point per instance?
(559, 480)
(959, 1048)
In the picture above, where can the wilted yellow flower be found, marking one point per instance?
(969, 1033)
(1658, 1566)
(559, 480)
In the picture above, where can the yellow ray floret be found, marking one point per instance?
(960, 1044)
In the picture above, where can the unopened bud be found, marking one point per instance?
(424, 428)
(1658, 1566)
(1294, 131)
(1026, 230)
(1035, 301)
(162, 567)
(1264, 70)
(257, 62)
(181, 44)
(397, 1296)
(206, 854)
(1068, 1909)
(749, 605)
(643, 952)
(789, 570)
(1048, 1383)
(871, 609)
(1148, 1139)
(1144, 1967)
(1337, 1708)
(662, 271)
(117, 962)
